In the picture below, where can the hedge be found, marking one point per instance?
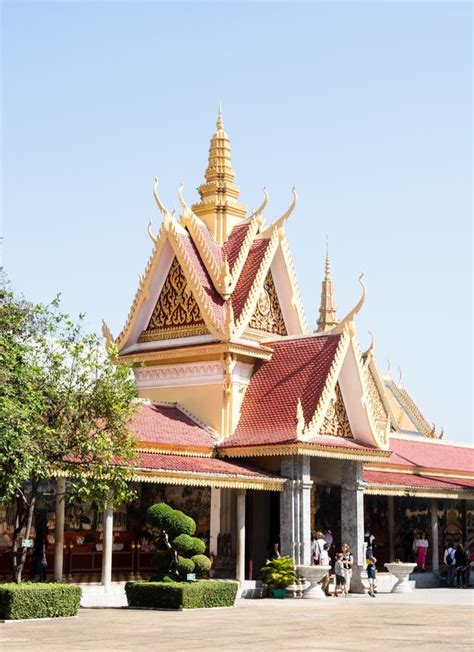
(181, 595)
(29, 600)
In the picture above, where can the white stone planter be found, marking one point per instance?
(402, 573)
(313, 575)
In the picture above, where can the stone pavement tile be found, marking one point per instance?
(431, 619)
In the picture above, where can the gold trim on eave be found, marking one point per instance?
(208, 480)
(420, 492)
(312, 450)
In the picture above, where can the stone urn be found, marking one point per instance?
(402, 573)
(313, 575)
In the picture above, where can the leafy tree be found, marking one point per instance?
(64, 409)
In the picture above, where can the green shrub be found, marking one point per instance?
(202, 564)
(188, 546)
(184, 566)
(29, 600)
(278, 573)
(179, 523)
(158, 515)
(181, 595)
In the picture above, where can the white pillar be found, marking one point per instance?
(59, 530)
(240, 562)
(108, 539)
(434, 535)
(295, 509)
(215, 524)
(391, 527)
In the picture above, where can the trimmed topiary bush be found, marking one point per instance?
(184, 566)
(181, 595)
(202, 564)
(189, 546)
(30, 600)
(176, 545)
(158, 515)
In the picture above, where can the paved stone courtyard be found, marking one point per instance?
(428, 619)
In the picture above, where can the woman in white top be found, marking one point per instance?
(421, 549)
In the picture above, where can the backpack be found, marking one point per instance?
(450, 558)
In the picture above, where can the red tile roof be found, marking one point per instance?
(412, 480)
(232, 246)
(247, 276)
(298, 369)
(428, 454)
(167, 425)
(185, 464)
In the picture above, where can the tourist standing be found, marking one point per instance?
(340, 576)
(317, 546)
(369, 544)
(328, 537)
(421, 548)
(467, 567)
(38, 558)
(408, 543)
(347, 562)
(449, 561)
(460, 564)
(371, 574)
(324, 560)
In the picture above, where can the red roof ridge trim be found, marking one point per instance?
(187, 413)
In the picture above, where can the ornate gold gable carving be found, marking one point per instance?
(376, 401)
(268, 316)
(336, 421)
(176, 313)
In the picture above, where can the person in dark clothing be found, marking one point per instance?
(407, 542)
(38, 558)
(459, 564)
(467, 568)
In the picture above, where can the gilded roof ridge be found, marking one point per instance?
(410, 407)
(296, 299)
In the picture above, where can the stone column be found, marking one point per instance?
(108, 539)
(434, 535)
(391, 527)
(59, 530)
(352, 518)
(240, 562)
(295, 509)
(215, 520)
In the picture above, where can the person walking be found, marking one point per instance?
(369, 544)
(317, 546)
(421, 548)
(459, 564)
(324, 560)
(347, 562)
(371, 574)
(448, 559)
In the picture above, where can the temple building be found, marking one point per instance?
(262, 427)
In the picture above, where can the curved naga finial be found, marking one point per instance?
(262, 206)
(432, 433)
(400, 376)
(441, 434)
(389, 367)
(154, 239)
(371, 345)
(107, 335)
(355, 310)
(163, 210)
(182, 201)
(277, 224)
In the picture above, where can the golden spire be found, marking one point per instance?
(219, 208)
(327, 310)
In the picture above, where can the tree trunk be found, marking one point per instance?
(24, 516)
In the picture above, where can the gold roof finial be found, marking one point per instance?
(220, 121)
(219, 207)
(327, 309)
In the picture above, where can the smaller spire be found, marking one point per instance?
(327, 310)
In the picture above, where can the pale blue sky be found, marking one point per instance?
(366, 107)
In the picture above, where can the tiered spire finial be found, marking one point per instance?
(219, 207)
(327, 310)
